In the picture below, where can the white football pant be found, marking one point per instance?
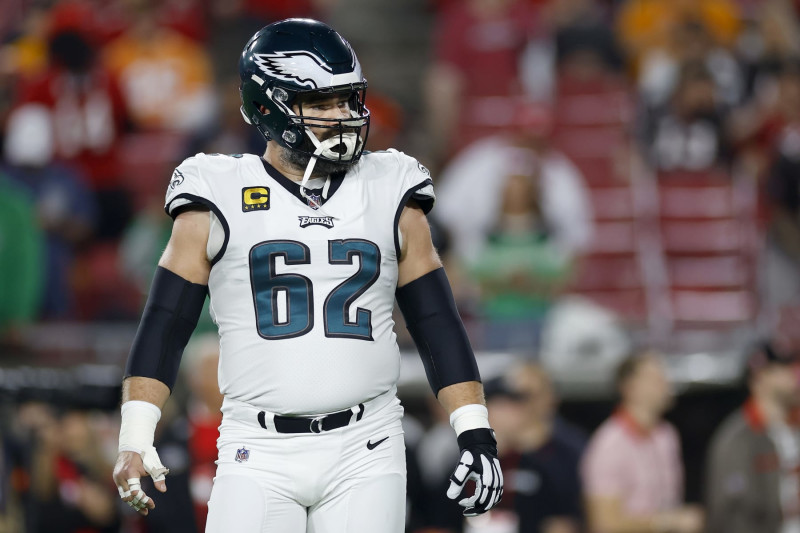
(329, 482)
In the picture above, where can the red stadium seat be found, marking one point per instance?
(708, 272)
(702, 237)
(707, 239)
(608, 273)
(603, 107)
(613, 238)
(694, 178)
(612, 203)
(713, 307)
(590, 142)
(697, 202)
(630, 305)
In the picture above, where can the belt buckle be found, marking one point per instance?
(318, 421)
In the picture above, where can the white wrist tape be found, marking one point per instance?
(472, 416)
(138, 426)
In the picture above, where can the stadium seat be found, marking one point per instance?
(696, 202)
(608, 273)
(617, 237)
(589, 142)
(612, 203)
(604, 107)
(702, 237)
(713, 307)
(708, 249)
(630, 305)
(708, 272)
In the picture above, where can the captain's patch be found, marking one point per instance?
(255, 199)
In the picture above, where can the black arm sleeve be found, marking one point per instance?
(431, 316)
(169, 318)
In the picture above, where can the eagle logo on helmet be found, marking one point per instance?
(298, 66)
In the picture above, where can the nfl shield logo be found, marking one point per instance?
(314, 201)
(242, 455)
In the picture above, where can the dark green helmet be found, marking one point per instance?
(288, 63)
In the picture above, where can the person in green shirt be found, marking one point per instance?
(519, 270)
(21, 260)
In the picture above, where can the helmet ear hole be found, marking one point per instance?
(264, 110)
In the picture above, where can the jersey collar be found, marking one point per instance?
(294, 188)
(630, 424)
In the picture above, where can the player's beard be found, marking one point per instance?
(299, 160)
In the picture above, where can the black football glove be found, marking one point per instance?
(479, 463)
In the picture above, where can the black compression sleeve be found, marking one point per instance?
(168, 320)
(431, 316)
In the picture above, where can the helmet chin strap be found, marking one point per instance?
(350, 141)
(307, 175)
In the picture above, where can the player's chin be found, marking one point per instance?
(323, 167)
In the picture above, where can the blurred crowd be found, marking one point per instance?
(609, 174)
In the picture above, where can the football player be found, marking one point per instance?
(303, 251)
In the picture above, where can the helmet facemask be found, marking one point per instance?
(336, 143)
(335, 148)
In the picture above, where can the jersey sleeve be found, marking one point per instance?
(418, 184)
(187, 189)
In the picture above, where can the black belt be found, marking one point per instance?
(311, 424)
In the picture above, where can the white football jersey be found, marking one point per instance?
(303, 293)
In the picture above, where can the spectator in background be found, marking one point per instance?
(540, 451)
(474, 182)
(644, 25)
(65, 208)
(690, 42)
(474, 78)
(87, 109)
(759, 130)
(586, 49)
(230, 134)
(434, 451)
(187, 437)
(142, 243)
(139, 249)
(782, 259)
(518, 213)
(11, 517)
(21, 253)
(752, 482)
(573, 49)
(165, 76)
(689, 132)
(25, 53)
(632, 471)
(204, 417)
(519, 272)
(771, 34)
(67, 473)
(187, 17)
